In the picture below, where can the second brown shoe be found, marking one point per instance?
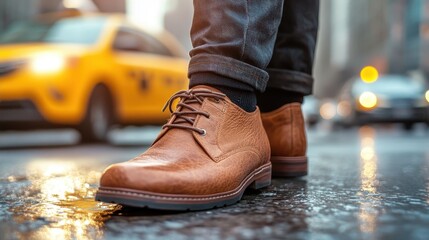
(286, 131)
(208, 153)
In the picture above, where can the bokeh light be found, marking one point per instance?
(344, 108)
(328, 110)
(369, 74)
(368, 100)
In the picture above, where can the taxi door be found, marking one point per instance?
(148, 73)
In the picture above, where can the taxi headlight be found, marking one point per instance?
(47, 63)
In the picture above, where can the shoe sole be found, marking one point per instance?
(259, 178)
(289, 166)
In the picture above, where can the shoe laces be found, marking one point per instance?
(185, 113)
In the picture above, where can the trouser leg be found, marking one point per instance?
(290, 68)
(291, 65)
(234, 39)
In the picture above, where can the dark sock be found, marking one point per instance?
(241, 94)
(274, 98)
(244, 99)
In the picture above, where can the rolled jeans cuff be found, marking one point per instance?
(229, 68)
(291, 81)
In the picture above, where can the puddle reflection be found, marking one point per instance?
(368, 174)
(61, 196)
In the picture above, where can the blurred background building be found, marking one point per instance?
(19, 10)
(392, 35)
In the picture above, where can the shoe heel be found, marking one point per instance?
(262, 179)
(289, 166)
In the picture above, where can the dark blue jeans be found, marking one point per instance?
(263, 43)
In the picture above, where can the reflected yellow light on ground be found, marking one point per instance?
(63, 195)
(369, 74)
(366, 132)
(368, 100)
(367, 153)
(367, 141)
(40, 168)
(368, 159)
(11, 179)
(368, 218)
(368, 176)
(328, 110)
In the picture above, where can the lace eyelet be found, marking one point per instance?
(203, 132)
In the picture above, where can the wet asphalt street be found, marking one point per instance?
(364, 183)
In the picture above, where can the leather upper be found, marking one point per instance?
(182, 161)
(285, 128)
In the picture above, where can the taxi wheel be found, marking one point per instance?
(98, 119)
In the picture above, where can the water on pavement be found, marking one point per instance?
(364, 183)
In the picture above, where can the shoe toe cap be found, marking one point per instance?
(115, 175)
(140, 177)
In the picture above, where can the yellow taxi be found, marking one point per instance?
(88, 72)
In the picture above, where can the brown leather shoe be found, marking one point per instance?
(286, 131)
(208, 153)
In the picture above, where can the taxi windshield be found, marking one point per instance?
(76, 30)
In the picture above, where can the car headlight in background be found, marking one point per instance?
(368, 100)
(47, 63)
